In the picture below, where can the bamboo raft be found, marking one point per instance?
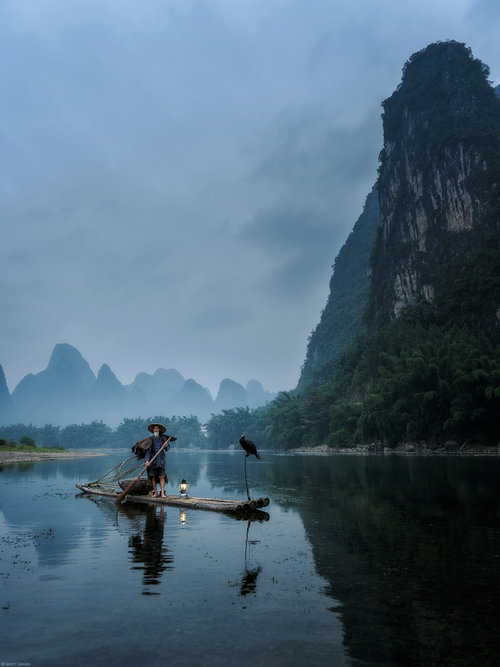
(238, 507)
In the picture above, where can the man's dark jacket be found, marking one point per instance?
(141, 447)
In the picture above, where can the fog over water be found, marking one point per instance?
(178, 177)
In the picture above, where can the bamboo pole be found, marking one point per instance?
(246, 481)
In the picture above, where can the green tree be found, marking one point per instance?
(81, 436)
(288, 423)
(225, 429)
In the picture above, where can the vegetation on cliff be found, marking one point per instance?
(431, 375)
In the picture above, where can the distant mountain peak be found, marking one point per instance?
(170, 373)
(65, 351)
(105, 376)
(7, 412)
(254, 385)
(231, 394)
(4, 390)
(65, 356)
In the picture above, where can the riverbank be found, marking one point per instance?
(24, 457)
(409, 449)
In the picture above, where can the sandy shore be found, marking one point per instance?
(22, 457)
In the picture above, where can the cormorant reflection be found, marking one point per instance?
(249, 579)
(147, 549)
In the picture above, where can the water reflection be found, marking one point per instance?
(390, 561)
(145, 531)
(410, 548)
(144, 528)
(249, 578)
(148, 553)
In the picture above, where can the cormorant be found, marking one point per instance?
(248, 446)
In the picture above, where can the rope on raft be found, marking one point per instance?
(114, 475)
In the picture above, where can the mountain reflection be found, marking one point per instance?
(148, 553)
(409, 547)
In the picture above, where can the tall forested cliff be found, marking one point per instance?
(407, 350)
(408, 346)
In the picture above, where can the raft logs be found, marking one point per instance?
(251, 505)
(250, 510)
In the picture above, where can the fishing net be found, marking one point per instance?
(125, 468)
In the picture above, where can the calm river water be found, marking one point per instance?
(361, 561)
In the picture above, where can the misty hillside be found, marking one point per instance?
(343, 318)
(67, 392)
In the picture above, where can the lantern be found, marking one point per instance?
(183, 489)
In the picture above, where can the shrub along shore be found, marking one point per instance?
(23, 456)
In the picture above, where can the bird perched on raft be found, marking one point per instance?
(248, 446)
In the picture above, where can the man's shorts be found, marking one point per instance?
(157, 472)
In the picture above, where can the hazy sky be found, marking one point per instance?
(177, 176)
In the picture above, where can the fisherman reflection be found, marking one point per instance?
(147, 549)
(249, 579)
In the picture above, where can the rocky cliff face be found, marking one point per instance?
(439, 178)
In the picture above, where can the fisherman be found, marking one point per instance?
(156, 470)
